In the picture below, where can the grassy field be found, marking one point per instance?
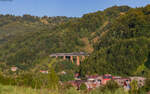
(24, 90)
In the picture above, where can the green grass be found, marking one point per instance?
(24, 90)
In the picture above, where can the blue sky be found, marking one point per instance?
(70, 8)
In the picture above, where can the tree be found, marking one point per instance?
(110, 86)
(83, 86)
(134, 87)
(53, 79)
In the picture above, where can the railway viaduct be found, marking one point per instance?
(78, 55)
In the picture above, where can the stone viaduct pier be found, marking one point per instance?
(78, 55)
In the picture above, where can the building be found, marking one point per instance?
(43, 71)
(76, 83)
(140, 80)
(14, 69)
(77, 76)
(106, 78)
(93, 81)
(123, 81)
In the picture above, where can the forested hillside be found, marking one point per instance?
(12, 26)
(124, 49)
(116, 38)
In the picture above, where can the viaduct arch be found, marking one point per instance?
(71, 55)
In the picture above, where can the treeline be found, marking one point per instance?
(12, 26)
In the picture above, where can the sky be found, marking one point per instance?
(69, 8)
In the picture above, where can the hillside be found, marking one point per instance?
(12, 26)
(117, 39)
(27, 40)
(125, 48)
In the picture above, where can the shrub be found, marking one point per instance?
(83, 86)
(72, 91)
(96, 91)
(146, 87)
(111, 86)
(134, 87)
(67, 86)
(118, 91)
(66, 77)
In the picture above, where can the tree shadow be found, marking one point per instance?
(147, 63)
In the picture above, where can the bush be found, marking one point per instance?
(67, 86)
(72, 91)
(146, 87)
(66, 77)
(134, 87)
(118, 91)
(111, 86)
(83, 86)
(96, 91)
(49, 80)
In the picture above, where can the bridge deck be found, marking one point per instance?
(70, 54)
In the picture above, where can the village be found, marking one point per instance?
(94, 81)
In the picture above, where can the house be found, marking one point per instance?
(43, 71)
(76, 83)
(140, 80)
(106, 78)
(63, 73)
(122, 81)
(77, 76)
(93, 81)
(14, 69)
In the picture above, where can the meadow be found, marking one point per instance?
(25, 90)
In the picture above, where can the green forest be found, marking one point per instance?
(117, 39)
